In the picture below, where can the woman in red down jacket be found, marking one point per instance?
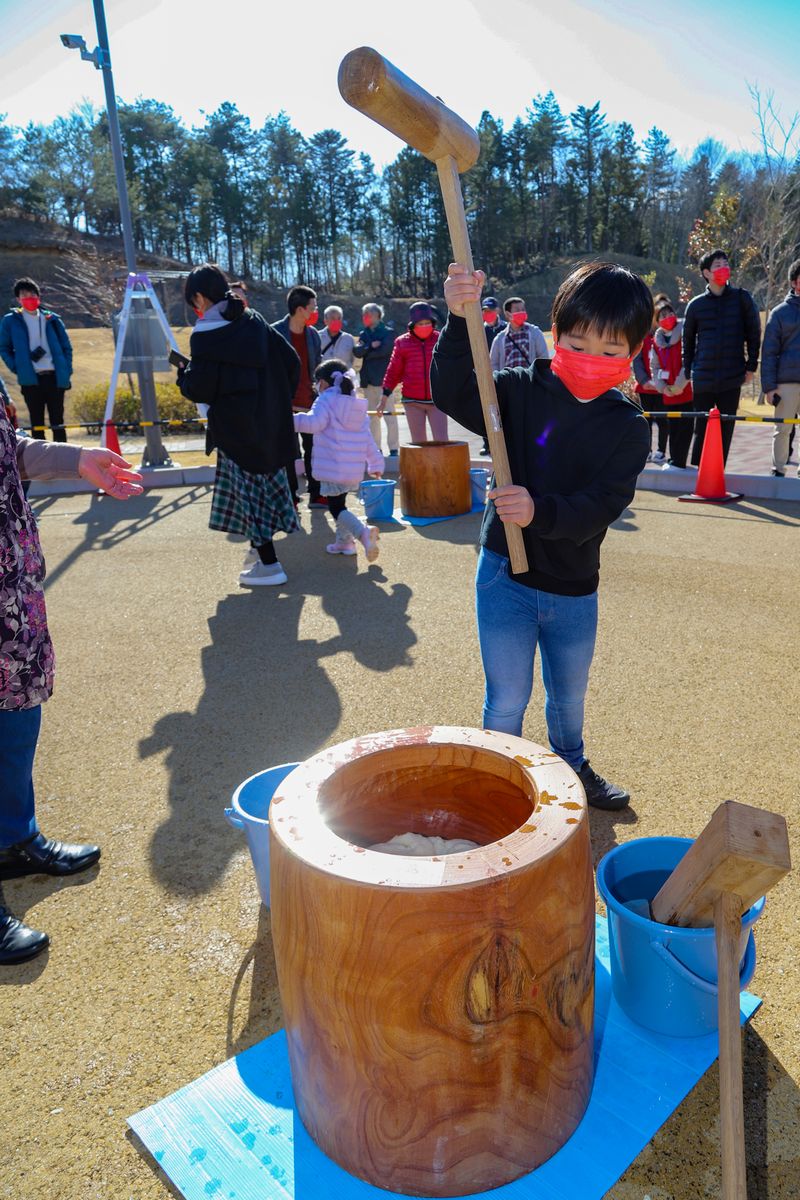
(410, 366)
(666, 368)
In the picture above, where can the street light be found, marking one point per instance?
(154, 454)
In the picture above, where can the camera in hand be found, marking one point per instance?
(177, 359)
(776, 398)
(38, 353)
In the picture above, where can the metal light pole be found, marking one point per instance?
(154, 453)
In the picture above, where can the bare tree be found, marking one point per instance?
(773, 203)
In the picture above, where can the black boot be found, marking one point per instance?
(599, 792)
(18, 943)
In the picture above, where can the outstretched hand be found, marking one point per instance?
(109, 472)
(461, 287)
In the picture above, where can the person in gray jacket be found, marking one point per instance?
(519, 344)
(780, 367)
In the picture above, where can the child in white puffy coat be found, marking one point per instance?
(343, 449)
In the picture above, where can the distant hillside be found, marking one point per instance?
(77, 274)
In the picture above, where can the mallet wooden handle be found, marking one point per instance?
(727, 927)
(459, 235)
(375, 87)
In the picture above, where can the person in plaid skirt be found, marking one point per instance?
(246, 375)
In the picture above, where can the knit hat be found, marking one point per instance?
(420, 312)
(490, 302)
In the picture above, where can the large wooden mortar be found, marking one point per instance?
(434, 479)
(438, 1010)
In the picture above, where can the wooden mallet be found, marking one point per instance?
(741, 853)
(376, 88)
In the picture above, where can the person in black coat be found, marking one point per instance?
(721, 341)
(244, 375)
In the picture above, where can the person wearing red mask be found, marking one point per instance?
(675, 391)
(520, 343)
(410, 366)
(721, 341)
(297, 328)
(35, 345)
(336, 341)
(576, 446)
(492, 325)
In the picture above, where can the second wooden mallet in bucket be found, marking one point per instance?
(376, 88)
(741, 853)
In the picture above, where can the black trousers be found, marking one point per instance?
(307, 440)
(726, 402)
(45, 394)
(337, 504)
(653, 402)
(680, 436)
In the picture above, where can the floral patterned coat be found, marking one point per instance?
(26, 652)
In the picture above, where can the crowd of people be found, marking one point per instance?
(576, 446)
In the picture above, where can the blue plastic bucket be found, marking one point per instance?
(479, 479)
(249, 811)
(663, 977)
(378, 498)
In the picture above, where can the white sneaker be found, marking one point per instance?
(261, 575)
(341, 548)
(250, 558)
(369, 540)
(668, 466)
(658, 456)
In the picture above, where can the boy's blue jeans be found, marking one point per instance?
(512, 621)
(19, 732)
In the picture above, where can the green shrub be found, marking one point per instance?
(89, 405)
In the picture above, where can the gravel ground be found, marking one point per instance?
(174, 685)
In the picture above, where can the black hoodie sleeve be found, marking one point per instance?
(454, 386)
(199, 382)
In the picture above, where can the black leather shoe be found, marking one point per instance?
(18, 943)
(42, 856)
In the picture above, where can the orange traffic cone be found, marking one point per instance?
(111, 439)
(711, 476)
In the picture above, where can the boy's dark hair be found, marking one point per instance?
(794, 271)
(209, 281)
(512, 300)
(26, 285)
(605, 297)
(299, 297)
(707, 259)
(326, 370)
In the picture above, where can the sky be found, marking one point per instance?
(682, 65)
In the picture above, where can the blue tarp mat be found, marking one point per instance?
(233, 1134)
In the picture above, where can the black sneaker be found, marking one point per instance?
(599, 792)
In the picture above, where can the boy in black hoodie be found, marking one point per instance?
(576, 446)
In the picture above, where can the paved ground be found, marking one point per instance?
(174, 685)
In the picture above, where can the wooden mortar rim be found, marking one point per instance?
(297, 823)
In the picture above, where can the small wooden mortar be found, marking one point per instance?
(438, 1010)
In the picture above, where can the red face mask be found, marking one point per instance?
(30, 303)
(721, 275)
(198, 312)
(518, 318)
(589, 375)
(668, 323)
(490, 315)
(423, 331)
(334, 327)
(312, 320)
(369, 321)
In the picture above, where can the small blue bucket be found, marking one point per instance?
(249, 810)
(378, 498)
(664, 977)
(479, 479)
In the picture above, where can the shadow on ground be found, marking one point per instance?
(267, 699)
